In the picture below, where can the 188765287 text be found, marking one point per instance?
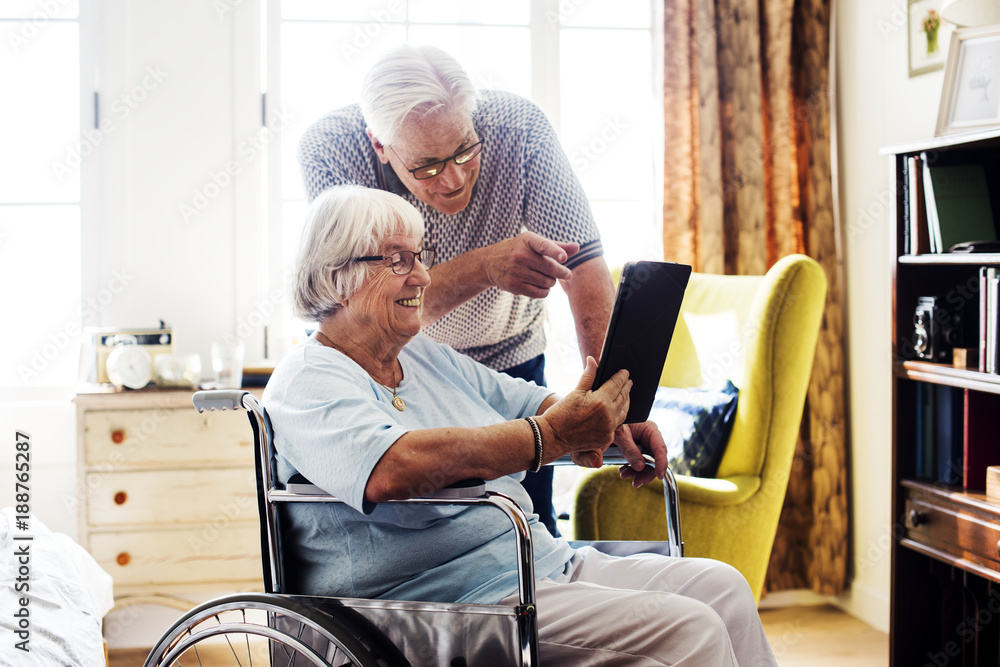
(22, 540)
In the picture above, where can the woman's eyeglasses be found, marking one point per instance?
(434, 168)
(401, 262)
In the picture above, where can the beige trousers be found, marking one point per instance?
(648, 609)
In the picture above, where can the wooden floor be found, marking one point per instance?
(823, 636)
(812, 636)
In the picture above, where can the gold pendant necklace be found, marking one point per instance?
(397, 402)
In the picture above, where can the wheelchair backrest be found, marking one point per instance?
(265, 470)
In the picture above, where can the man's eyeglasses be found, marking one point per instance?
(434, 168)
(401, 262)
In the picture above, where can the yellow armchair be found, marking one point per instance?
(760, 332)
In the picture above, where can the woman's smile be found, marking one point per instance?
(411, 302)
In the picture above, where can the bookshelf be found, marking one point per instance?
(945, 588)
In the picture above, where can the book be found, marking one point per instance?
(993, 483)
(992, 283)
(950, 441)
(960, 198)
(930, 205)
(984, 312)
(981, 438)
(905, 181)
(925, 455)
(919, 240)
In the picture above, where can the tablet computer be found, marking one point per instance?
(647, 304)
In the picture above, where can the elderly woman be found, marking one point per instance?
(370, 409)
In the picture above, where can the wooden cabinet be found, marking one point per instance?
(167, 500)
(945, 589)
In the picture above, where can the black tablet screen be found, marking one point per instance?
(642, 323)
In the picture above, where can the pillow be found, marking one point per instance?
(695, 423)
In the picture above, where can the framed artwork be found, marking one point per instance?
(970, 96)
(928, 36)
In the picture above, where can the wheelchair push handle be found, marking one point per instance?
(219, 399)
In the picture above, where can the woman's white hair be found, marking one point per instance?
(413, 81)
(342, 223)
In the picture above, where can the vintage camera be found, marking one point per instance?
(936, 330)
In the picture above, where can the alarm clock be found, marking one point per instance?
(99, 343)
(129, 366)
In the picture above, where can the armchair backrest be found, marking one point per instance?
(760, 332)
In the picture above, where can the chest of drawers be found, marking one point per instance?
(166, 496)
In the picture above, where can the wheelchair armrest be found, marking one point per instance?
(612, 457)
(671, 496)
(467, 488)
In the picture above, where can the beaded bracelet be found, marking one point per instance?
(538, 443)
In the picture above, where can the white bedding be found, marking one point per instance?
(66, 591)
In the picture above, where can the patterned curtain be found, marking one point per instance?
(747, 180)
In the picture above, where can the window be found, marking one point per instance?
(590, 66)
(40, 193)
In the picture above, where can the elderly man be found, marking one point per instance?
(503, 210)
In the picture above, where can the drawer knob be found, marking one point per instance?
(123, 558)
(120, 498)
(118, 436)
(917, 518)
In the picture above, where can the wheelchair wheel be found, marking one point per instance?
(259, 629)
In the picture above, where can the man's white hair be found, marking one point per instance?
(413, 82)
(342, 223)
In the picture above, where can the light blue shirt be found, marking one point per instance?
(332, 422)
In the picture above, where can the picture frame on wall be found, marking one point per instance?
(970, 95)
(929, 36)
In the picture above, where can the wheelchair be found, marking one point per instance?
(279, 627)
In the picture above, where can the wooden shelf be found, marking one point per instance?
(952, 259)
(926, 371)
(968, 140)
(971, 499)
(945, 557)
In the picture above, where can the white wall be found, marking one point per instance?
(879, 105)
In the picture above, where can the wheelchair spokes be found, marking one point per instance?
(248, 633)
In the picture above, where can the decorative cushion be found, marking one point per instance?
(695, 423)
